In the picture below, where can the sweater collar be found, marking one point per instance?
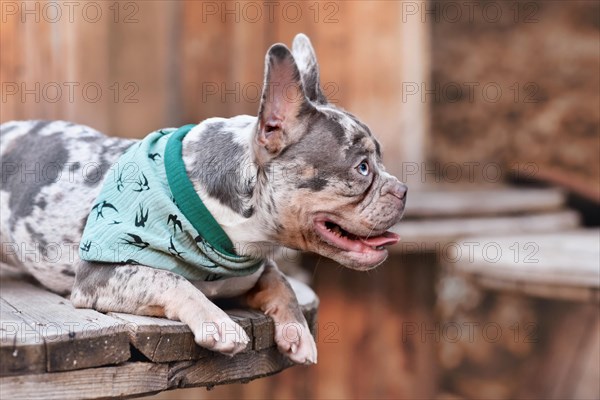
(188, 200)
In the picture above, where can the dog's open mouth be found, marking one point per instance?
(335, 235)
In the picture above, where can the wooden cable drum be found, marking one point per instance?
(436, 218)
(51, 350)
(482, 201)
(561, 265)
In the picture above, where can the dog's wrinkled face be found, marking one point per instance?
(328, 189)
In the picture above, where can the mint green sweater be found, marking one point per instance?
(148, 213)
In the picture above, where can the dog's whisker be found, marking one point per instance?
(315, 269)
(373, 228)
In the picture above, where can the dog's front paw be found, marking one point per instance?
(221, 334)
(295, 341)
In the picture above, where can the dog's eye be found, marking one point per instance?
(363, 168)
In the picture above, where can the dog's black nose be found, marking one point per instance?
(395, 188)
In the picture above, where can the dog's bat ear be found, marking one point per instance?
(283, 100)
(305, 57)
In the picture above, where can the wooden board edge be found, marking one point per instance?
(129, 379)
(220, 370)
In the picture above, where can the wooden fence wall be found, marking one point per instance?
(129, 67)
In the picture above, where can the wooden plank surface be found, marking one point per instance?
(162, 340)
(220, 369)
(263, 328)
(554, 291)
(72, 338)
(569, 258)
(142, 378)
(104, 382)
(448, 202)
(435, 234)
(21, 349)
(43, 337)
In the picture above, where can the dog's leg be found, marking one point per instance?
(274, 296)
(140, 290)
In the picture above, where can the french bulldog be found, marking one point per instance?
(302, 174)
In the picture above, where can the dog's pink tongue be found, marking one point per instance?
(382, 240)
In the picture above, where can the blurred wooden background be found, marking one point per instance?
(163, 63)
(533, 107)
(168, 63)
